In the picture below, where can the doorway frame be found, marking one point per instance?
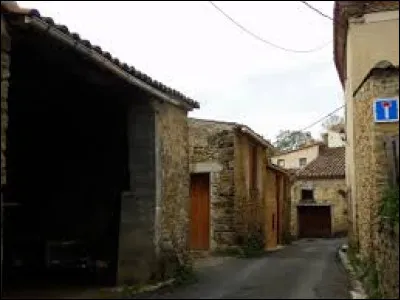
(213, 169)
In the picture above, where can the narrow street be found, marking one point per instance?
(307, 269)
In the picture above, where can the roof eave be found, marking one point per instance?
(246, 130)
(278, 169)
(320, 177)
(101, 60)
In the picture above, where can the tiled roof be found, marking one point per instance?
(343, 10)
(279, 169)
(329, 164)
(12, 7)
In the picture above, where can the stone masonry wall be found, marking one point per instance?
(249, 203)
(5, 75)
(386, 254)
(271, 209)
(375, 245)
(287, 210)
(212, 147)
(369, 163)
(173, 197)
(325, 192)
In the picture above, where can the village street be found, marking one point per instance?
(307, 269)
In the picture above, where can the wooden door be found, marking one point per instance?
(314, 221)
(199, 212)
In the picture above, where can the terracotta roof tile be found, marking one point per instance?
(329, 164)
(12, 7)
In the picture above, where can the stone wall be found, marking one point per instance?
(154, 212)
(249, 203)
(5, 74)
(386, 255)
(370, 164)
(271, 209)
(376, 244)
(286, 210)
(326, 191)
(212, 151)
(173, 179)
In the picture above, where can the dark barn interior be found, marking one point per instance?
(67, 165)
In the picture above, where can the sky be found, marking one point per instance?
(190, 46)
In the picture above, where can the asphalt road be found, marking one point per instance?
(307, 269)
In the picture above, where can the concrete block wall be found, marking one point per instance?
(137, 256)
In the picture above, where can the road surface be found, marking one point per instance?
(307, 269)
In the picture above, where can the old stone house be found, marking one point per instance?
(92, 151)
(319, 205)
(366, 52)
(228, 163)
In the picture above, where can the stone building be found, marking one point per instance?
(277, 206)
(93, 152)
(228, 164)
(366, 51)
(365, 34)
(319, 205)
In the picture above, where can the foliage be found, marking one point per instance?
(254, 245)
(185, 274)
(291, 140)
(389, 209)
(367, 273)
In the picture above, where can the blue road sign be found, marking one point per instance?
(386, 110)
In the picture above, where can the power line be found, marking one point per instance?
(262, 39)
(316, 10)
(323, 118)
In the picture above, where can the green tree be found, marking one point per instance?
(292, 139)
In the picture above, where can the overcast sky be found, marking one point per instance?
(193, 48)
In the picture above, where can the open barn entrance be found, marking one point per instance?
(67, 166)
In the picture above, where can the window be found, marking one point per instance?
(302, 162)
(281, 162)
(307, 194)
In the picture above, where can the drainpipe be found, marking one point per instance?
(101, 60)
